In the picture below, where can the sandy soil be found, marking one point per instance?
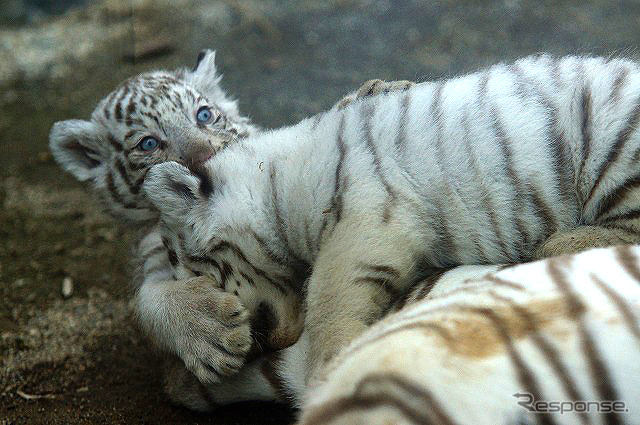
(80, 359)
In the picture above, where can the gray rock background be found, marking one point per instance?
(81, 356)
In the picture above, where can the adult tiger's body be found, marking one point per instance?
(482, 168)
(475, 344)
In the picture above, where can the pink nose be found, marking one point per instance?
(201, 156)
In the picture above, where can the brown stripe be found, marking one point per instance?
(264, 246)
(338, 191)
(198, 259)
(553, 357)
(503, 282)
(407, 322)
(629, 261)
(137, 185)
(544, 210)
(123, 172)
(381, 282)
(173, 258)
(617, 148)
(613, 199)
(381, 269)
(628, 215)
(599, 374)
(505, 146)
(560, 150)
(585, 129)
(431, 413)
(225, 272)
(275, 203)
(153, 251)
(485, 196)
(131, 109)
(118, 112)
(424, 287)
(269, 371)
(247, 278)
(621, 305)
(113, 142)
(337, 407)
(413, 391)
(401, 138)
(618, 84)
(447, 241)
(300, 267)
(123, 93)
(225, 245)
(115, 195)
(367, 113)
(316, 121)
(525, 375)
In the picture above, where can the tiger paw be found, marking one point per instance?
(374, 87)
(583, 238)
(210, 329)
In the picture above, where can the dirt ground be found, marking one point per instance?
(80, 359)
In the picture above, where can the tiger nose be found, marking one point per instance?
(200, 156)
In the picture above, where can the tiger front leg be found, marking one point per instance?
(359, 272)
(206, 327)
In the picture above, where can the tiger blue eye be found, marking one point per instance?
(148, 144)
(204, 115)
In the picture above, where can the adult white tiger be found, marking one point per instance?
(477, 169)
(561, 330)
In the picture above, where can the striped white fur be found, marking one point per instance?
(566, 331)
(563, 329)
(207, 327)
(482, 168)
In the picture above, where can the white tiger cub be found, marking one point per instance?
(477, 344)
(367, 199)
(183, 116)
(158, 116)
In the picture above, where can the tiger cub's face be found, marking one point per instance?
(181, 116)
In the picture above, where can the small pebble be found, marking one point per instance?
(67, 287)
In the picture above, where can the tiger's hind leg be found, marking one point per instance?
(360, 271)
(373, 87)
(586, 237)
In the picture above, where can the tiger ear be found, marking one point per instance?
(172, 189)
(204, 75)
(75, 144)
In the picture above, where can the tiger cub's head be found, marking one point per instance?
(181, 116)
